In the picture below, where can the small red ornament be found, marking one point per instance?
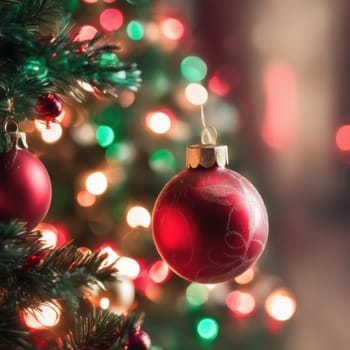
(25, 188)
(49, 108)
(139, 340)
(209, 222)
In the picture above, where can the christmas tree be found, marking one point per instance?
(45, 291)
(108, 158)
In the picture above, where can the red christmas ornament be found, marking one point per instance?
(139, 340)
(25, 188)
(49, 108)
(209, 222)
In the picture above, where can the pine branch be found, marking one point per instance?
(23, 19)
(100, 329)
(65, 65)
(11, 334)
(35, 275)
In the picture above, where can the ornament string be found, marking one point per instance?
(209, 134)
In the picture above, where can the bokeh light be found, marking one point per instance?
(111, 19)
(280, 304)
(121, 294)
(342, 138)
(158, 121)
(197, 294)
(96, 183)
(172, 28)
(104, 303)
(138, 216)
(52, 134)
(159, 271)
(86, 32)
(224, 80)
(122, 151)
(193, 68)
(279, 127)
(208, 328)
(196, 94)
(85, 198)
(45, 315)
(84, 135)
(241, 304)
(48, 236)
(104, 135)
(128, 267)
(137, 2)
(111, 255)
(135, 30)
(246, 277)
(162, 161)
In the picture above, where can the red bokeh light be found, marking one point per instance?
(111, 19)
(281, 106)
(342, 138)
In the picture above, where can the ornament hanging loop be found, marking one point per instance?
(209, 134)
(12, 132)
(11, 125)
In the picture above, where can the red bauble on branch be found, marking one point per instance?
(49, 109)
(139, 340)
(25, 188)
(209, 223)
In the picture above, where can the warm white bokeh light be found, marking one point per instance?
(172, 28)
(104, 303)
(52, 134)
(85, 198)
(43, 316)
(128, 267)
(246, 277)
(280, 305)
(84, 135)
(196, 94)
(111, 256)
(96, 183)
(48, 238)
(159, 122)
(138, 216)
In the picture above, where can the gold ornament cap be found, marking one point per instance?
(206, 155)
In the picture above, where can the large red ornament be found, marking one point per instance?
(209, 223)
(25, 188)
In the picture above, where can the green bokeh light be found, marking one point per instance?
(72, 5)
(162, 161)
(197, 294)
(193, 68)
(124, 152)
(137, 2)
(135, 30)
(104, 135)
(208, 328)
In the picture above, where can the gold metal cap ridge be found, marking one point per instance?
(206, 155)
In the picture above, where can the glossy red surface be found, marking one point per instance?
(209, 225)
(25, 188)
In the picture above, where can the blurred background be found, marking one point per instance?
(273, 78)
